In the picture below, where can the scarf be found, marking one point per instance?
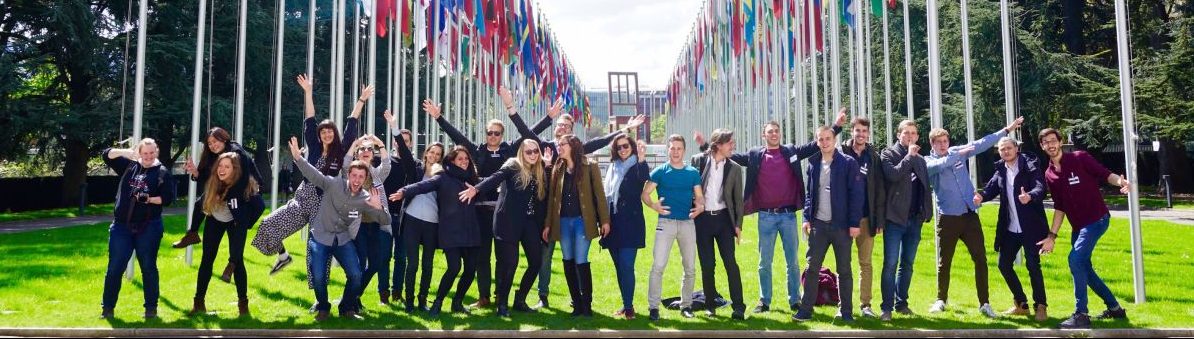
(613, 179)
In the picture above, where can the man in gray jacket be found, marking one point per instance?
(335, 225)
(908, 206)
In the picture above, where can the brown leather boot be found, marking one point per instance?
(385, 297)
(1042, 313)
(243, 306)
(481, 303)
(227, 275)
(199, 308)
(190, 238)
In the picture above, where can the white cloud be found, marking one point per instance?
(600, 36)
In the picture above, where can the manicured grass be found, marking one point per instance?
(54, 279)
(1153, 202)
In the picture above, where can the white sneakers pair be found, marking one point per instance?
(985, 309)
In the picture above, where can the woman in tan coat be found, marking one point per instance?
(577, 212)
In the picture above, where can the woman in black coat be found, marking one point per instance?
(232, 204)
(624, 180)
(518, 219)
(459, 234)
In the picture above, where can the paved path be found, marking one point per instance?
(46, 224)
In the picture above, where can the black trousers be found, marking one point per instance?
(485, 252)
(418, 234)
(213, 233)
(457, 256)
(719, 229)
(507, 262)
(1008, 247)
(821, 238)
(197, 215)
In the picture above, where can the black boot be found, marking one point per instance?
(586, 289)
(520, 302)
(570, 275)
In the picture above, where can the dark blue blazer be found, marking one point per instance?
(1031, 178)
(847, 190)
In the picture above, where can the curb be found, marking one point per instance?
(1002, 333)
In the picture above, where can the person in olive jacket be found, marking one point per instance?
(577, 212)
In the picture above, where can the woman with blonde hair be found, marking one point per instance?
(232, 203)
(518, 220)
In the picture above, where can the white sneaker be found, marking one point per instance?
(937, 307)
(987, 311)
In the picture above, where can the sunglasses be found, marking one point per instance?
(623, 147)
(531, 152)
(493, 133)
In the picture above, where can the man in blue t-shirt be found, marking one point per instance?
(680, 200)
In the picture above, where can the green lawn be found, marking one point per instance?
(54, 279)
(1152, 202)
(68, 212)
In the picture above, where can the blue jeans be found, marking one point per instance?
(122, 243)
(573, 241)
(782, 225)
(346, 254)
(899, 254)
(1083, 270)
(399, 256)
(373, 250)
(544, 285)
(624, 265)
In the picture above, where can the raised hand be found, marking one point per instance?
(295, 152)
(637, 121)
(366, 92)
(914, 150)
(375, 199)
(548, 156)
(304, 82)
(698, 137)
(642, 152)
(1015, 125)
(389, 117)
(432, 108)
(507, 99)
(556, 108)
(1024, 197)
(841, 116)
(466, 196)
(397, 196)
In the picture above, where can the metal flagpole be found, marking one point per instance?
(1009, 85)
(812, 53)
(907, 64)
(1123, 54)
(371, 67)
(310, 48)
(196, 107)
(836, 62)
(139, 93)
(934, 64)
(332, 63)
(968, 85)
(355, 85)
(277, 142)
(867, 83)
(240, 71)
(852, 84)
(886, 77)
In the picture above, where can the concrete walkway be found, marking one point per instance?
(47, 224)
(1003, 333)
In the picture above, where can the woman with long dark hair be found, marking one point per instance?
(324, 152)
(231, 204)
(459, 235)
(577, 212)
(624, 180)
(217, 143)
(521, 207)
(420, 221)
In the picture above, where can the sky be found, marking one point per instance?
(600, 36)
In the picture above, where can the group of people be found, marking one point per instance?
(366, 207)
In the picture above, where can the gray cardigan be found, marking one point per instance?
(732, 186)
(340, 212)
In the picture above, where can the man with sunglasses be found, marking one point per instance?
(489, 158)
(564, 126)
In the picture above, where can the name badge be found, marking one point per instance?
(1074, 180)
(864, 169)
(959, 165)
(827, 188)
(233, 204)
(794, 159)
(354, 214)
(913, 176)
(495, 155)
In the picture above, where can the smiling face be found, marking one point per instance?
(623, 148)
(529, 152)
(861, 134)
(365, 153)
(826, 141)
(225, 170)
(564, 126)
(1051, 145)
(460, 160)
(675, 151)
(148, 153)
(433, 155)
(326, 136)
(356, 179)
(215, 145)
(493, 133)
(771, 135)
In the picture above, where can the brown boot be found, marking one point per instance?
(385, 297)
(199, 308)
(227, 275)
(1042, 313)
(190, 238)
(243, 306)
(482, 303)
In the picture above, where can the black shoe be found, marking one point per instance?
(503, 311)
(738, 315)
(762, 308)
(654, 314)
(1076, 321)
(435, 308)
(107, 313)
(1121, 313)
(794, 307)
(904, 310)
(521, 306)
(280, 264)
(409, 306)
(686, 312)
(423, 305)
(460, 309)
(151, 314)
(802, 316)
